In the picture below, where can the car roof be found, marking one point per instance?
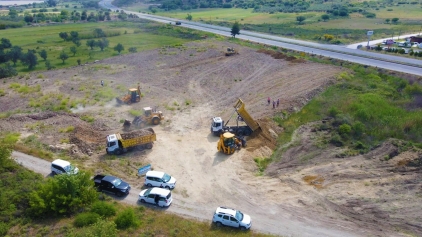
(160, 191)
(226, 210)
(61, 163)
(158, 174)
(109, 178)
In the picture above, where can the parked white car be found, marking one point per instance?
(158, 196)
(63, 167)
(159, 179)
(231, 217)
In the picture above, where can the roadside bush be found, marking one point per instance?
(336, 140)
(126, 219)
(103, 209)
(85, 219)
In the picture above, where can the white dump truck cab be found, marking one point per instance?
(112, 144)
(217, 125)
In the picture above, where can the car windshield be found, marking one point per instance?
(239, 216)
(69, 168)
(147, 192)
(166, 177)
(117, 182)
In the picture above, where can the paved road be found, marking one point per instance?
(391, 62)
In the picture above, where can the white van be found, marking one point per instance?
(159, 196)
(159, 179)
(63, 167)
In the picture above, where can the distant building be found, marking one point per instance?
(417, 39)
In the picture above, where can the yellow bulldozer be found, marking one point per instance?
(229, 142)
(133, 96)
(150, 116)
(231, 51)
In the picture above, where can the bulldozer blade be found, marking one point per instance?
(119, 101)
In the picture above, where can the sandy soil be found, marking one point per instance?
(309, 192)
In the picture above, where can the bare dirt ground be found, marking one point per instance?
(309, 192)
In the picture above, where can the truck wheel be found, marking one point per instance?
(155, 120)
(118, 152)
(148, 146)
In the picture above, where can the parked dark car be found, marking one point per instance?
(111, 184)
(178, 23)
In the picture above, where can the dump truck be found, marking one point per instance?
(133, 96)
(122, 142)
(218, 126)
(229, 143)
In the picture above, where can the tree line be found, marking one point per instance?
(11, 54)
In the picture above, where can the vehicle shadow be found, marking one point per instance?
(219, 157)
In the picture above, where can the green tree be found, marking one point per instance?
(48, 65)
(119, 48)
(395, 20)
(98, 33)
(7, 70)
(102, 43)
(5, 43)
(43, 54)
(73, 50)
(62, 195)
(30, 59)
(63, 35)
(300, 19)
(189, 17)
(235, 29)
(15, 54)
(13, 13)
(325, 17)
(132, 49)
(76, 41)
(74, 34)
(91, 43)
(63, 56)
(387, 21)
(51, 3)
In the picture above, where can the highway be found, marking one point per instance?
(367, 58)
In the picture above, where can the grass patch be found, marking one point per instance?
(67, 129)
(88, 118)
(262, 164)
(135, 112)
(365, 108)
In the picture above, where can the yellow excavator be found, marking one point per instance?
(150, 116)
(133, 96)
(231, 51)
(229, 142)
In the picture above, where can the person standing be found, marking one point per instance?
(269, 100)
(278, 102)
(102, 83)
(273, 104)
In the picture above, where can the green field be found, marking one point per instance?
(131, 35)
(279, 23)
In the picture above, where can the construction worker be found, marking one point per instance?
(102, 83)
(269, 100)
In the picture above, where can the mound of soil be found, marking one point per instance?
(137, 133)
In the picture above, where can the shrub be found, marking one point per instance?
(103, 209)
(344, 129)
(126, 219)
(85, 219)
